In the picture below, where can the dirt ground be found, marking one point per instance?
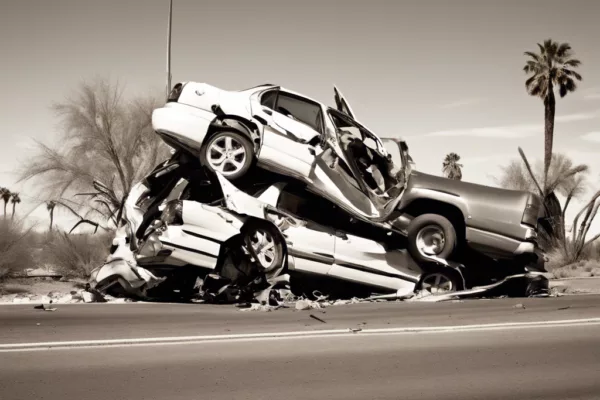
(25, 290)
(589, 285)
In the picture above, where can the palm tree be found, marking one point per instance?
(451, 168)
(551, 68)
(5, 194)
(15, 199)
(50, 207)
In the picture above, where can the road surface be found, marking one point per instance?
(543, 362)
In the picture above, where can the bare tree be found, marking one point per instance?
(106, 145)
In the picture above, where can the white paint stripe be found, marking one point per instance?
(291, 335)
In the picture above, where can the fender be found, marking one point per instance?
(441, 263)
(241, 125)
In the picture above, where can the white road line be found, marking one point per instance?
(291, 335)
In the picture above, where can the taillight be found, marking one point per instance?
(532, 209)
(173, 213)
(175, 93)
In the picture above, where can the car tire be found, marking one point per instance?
(236, 149)
(431, 235)
(267, 242)
(440, 281)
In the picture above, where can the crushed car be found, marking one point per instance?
(271, 128)
(279, 226)
(339, 202)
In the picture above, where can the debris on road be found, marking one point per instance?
(317, 318)
(45, 307)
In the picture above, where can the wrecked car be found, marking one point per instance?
(179, 230)
(269, 128)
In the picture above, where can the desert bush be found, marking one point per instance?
(17, 247)
(76, 255)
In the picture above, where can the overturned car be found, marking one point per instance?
(307, 190)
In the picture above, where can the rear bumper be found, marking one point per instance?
(182, 123)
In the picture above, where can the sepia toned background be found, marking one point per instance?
(446, 75)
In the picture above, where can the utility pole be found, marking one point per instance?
(169, 48)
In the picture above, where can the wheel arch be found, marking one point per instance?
(236, 124)
(236, 240)
(254, 220)
(456, 271)
(430, 206)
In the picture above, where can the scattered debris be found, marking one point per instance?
(521, 306)
(564, 308)
(45, 307)
(317, 318)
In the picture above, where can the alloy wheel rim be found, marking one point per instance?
(437, 283)
(263, 245)
(226, 155)
(431, 240)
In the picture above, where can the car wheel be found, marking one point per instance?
(267, 243)
(439, 282)
(228, 153)
(431, 235)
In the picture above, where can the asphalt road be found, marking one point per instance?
(533, 363)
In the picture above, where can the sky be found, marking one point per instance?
(446, 75)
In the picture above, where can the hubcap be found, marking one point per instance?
(226, 155)
(437, 283)
(264, 246)
(431, 240)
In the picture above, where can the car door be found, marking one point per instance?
(293, 128)
(310, 243)
(370, 262)
(195, 230)
(341, 103)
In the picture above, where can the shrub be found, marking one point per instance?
(17, 246)
(76, 255)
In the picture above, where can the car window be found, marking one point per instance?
(370, 143)
(393, 149)
(268, 99)
(345, 127)
(301, 110)
(308, 206)
(305, 205)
